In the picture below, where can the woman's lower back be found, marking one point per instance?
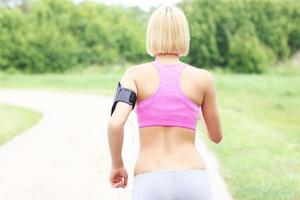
(163, 148)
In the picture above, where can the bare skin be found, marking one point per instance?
(167, 148)
(164, 147)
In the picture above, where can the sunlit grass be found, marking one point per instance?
(90, 79)
(259, 154)
(14, 120)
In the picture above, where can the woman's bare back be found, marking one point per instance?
(163, 147)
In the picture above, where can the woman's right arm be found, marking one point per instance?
(210, 110)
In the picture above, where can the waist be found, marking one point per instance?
(166, 139)
(165, 147)
(154, 158)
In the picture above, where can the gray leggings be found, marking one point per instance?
(172, 184)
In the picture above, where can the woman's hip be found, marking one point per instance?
(172, 184)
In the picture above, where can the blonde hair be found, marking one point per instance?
(168, 32)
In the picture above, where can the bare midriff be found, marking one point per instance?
(163, 148)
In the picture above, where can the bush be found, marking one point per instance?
(55, 35)
(247, 54)
(217, 39)
(49, 51)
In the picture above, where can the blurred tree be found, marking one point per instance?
(216, 31)
(54, 35)
(58, 34)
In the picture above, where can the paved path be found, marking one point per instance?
(65, 156)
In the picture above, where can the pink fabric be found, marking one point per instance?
(168, 106)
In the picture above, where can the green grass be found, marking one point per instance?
(14, 120)
(90, 80)
(259, 154)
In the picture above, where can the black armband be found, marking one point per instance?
(125, 95)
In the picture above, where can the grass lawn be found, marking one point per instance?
(15, 120)
(91, 80)
(259, 155)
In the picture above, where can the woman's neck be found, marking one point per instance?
(167, 58)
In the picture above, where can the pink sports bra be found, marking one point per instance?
(168, 106)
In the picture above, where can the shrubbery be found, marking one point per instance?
(54, 35)
(244, 35)
(248, 54)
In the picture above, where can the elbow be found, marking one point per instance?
(217, 138)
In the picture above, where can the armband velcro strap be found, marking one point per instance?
(125, 95)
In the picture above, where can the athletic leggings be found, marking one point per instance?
(172, 184)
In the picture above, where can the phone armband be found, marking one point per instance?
(125, 95)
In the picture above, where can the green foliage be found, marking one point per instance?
(247, 53)
(55, 35)
(294, 30)
(219, 35)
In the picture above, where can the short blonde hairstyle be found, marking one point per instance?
(168, 32)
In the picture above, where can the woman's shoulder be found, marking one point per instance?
(141, 70)
(138, 71)
(141, 66)
(200, 74)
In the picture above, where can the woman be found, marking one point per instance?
(169, 96)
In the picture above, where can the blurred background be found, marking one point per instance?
(252, 47)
